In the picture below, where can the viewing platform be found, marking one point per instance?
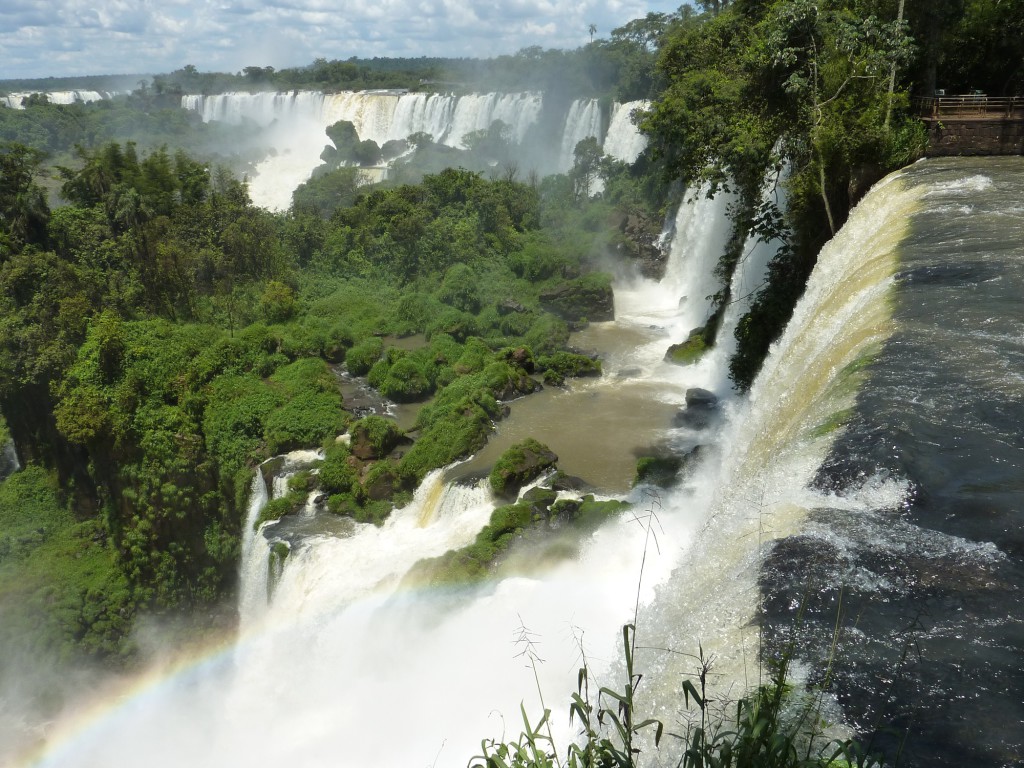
(972, 124)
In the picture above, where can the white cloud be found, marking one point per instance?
(80, 37)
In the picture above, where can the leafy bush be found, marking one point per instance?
(377, 433)
(459, 289)
(569, 364)
(363, 355)
(405, 382)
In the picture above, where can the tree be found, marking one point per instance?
(24, 212)
(586, 167)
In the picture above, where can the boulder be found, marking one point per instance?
(563, 482)
(701, 398)
(689, 351)
(694, 418)
(522, 357)
(540, 501)
(588, 297)
(510, 306)
(640, 239)
(381, 485)
(519, 465)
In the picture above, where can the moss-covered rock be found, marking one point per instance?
(381, 481)
(662, 471)
(275, 509)
(529, 520)
(689, 351)
(559, 366)
(373, 437)
(519, 465)
(587, 297)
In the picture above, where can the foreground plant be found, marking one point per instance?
(766, 731)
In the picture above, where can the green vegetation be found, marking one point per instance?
(520, 464)
(63, 595)
(532, 523)
(662, 471)
(160, 337)
(691, 350)
(770, 728)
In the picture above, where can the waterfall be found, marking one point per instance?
(747, 280)
(756, 487)
(255, 582)
(341, 657)
(252, 598)
(296, 123)
(582, 121)
(16, 100)
(623, 141)
(9, 463)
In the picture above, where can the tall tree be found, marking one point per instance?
(24, 212)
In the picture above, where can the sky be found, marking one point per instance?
(64, 38)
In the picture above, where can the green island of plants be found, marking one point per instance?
(161, 337)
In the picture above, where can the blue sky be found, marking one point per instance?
(62, 38)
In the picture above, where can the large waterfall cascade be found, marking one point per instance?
(756, 486)
(341, 662)
(298, 121)
(16, 100)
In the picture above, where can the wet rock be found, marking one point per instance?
(518, 384)
(522, 357)
(629, 373)
(563, 482)
(689, 351)
(510, 306)
(640, 240)
(694, 418)
(701, 409)
(519, 465)
(382, 485)
(701, 398)
(665, 469)
(540, 501)
(662, 471)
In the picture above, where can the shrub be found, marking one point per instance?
(363, 355)
(405, 382)
(278, 302)
(569, 364)
(459, 289)
(375, 435)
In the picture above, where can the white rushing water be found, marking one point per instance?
(16, 100)
(297, 123)
(583, 121)
(756, 486)
(623, 141)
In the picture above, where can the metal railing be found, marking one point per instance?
(976, 105)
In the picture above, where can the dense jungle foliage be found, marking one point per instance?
(160, 335)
